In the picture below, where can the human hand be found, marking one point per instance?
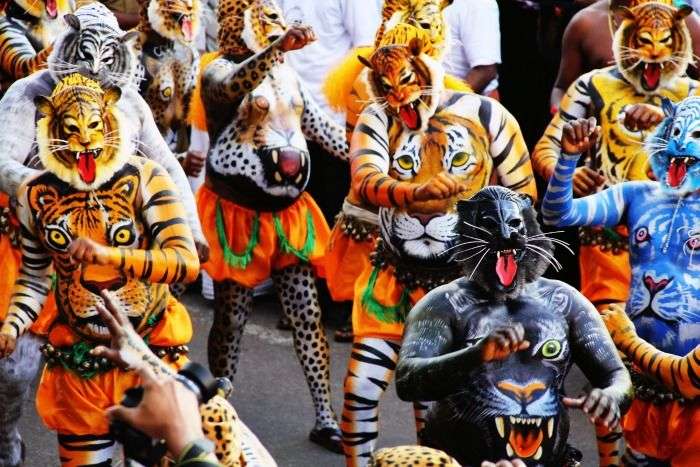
(578, 136)
(503, 341)
(87, 251)
(297, 37)
(194, 163)
(504, 463)
(586, 180)
(8, 342)
(618, 323)
(600, 408)
(640, 117)
(441, 186)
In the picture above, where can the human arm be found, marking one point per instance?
(677, 373)
(427, 368)
(319, 127)
(369, 168)
(480, 37)
(127, 20)
(594, 353)
(480, 76)
(19, 59)
(33, 282)
(171, 256)
(572, 60)
(559, 208)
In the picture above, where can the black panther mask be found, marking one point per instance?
(500, 244)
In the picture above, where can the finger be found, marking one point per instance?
(488, 464)
(591, 401)
(592, 125)
(109, 320)
(572, 403)
(601, 408)
(519, 331)
(125, 414)
(112, 308)
(577, 132)
(569, 132)
(584, 129)
(518, 463)
(513, 341)
(524, 345)
(104, 352)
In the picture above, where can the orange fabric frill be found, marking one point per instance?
(254, 244)
(381, 304)
(9, 271)
(669, 432)
(346, 258)
(197, 116)
(605, 277)
(72, 405)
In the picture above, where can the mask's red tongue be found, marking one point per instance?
(409, 116)
(186, 26)
(652, 75)
(86, 167)
(676, 172)
(506, 268)
(525, 444)
(51, 8)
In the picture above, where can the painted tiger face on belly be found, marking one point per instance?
(457, 146)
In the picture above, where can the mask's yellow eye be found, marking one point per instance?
(551, 348)
(57, 239)
(460, 159)
(386, 83)
(405, 162)
(123, 236)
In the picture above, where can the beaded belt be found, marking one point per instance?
(608, 239)
(649, 390)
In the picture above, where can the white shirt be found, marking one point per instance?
(475, 37)
(340, 25)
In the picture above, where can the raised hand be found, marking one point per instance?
(640, 117)
(441, 186)
(85, 250)
(297, 37)
(502, 342)
(578, 136)
(194, 163)
(586, 180)
(600, 408)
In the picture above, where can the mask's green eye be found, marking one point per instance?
(460, 159)
(551, 349)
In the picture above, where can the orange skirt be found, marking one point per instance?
(246, 246)
(381, 304)
(605, 277)
(72, 405)
(669, 432)
(9, 271)
(346, 258)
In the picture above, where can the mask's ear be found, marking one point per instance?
(668, 107)
(111, 96)
(445, 4)
(130, 37)
(72, 21)
(44, 105)
(619, 7)
(415, 46)
(525, 201)
(364, 61)
(682, 12)
(466, 210)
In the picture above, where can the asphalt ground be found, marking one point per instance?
(271, 396)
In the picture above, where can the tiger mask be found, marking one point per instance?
(427, 15)
(249, 26)
(78, 136)
(47, 9)
(424, 231)
(652, 44)
(176, 20)
(406, 82)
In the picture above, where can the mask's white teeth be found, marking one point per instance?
(77, 156)
(538, 454)
(538, 422)
(662, 65)
(509, 450)
(274, 156)
(501, 427)
(550, 427)
(512, 420)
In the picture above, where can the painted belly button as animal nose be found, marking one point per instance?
(289, 165)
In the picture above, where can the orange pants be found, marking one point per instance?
(247, 246)
(381, 304)
(346, 258)
(605, 277)
(72, 405)
(669, 432)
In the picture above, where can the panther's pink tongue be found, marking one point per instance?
(506, 268)
(86, 167)
(676, 172)
(51, 8)
(652, 75)
(409, 116)
(186, 26)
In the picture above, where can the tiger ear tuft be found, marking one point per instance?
(72, 21)
(111, 96)
(364, 61)
(44, 105)
(668, 107)
(129, 37)
(682, 12)
(621, 8)
(416, 46)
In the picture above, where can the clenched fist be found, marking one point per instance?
(84, 250)
(578, 136)
(640, 117)
(297, 37)
(502, 342)
(441, 186)
(600, 408)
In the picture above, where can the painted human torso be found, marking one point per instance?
(620, 154)
(509, 408)
(664, 239)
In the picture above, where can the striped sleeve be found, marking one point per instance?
(560, 209)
